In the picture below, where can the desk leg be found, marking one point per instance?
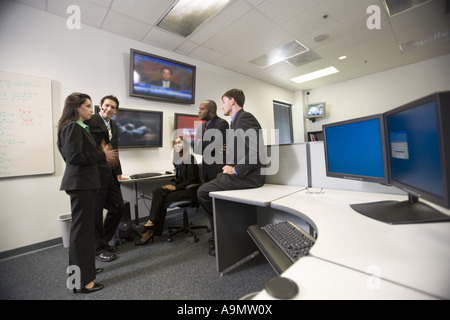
(136, 205)
(137, 228)
(231, 221)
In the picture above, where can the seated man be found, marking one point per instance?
(243, 153)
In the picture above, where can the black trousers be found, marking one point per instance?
(82, 238)
(161, 200)
(221, 183)
(109, 198)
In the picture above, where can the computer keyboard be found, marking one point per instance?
(145, 175)
(291, 239)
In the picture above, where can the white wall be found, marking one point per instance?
(381, 92)
(92, 61)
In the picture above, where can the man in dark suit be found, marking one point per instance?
(166, 80)
(211, 147)
(243, 153)
(104, 130)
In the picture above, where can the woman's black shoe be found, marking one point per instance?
(96, 287)
(146, 237)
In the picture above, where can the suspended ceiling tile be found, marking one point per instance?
(125, 26)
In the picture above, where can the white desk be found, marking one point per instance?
(416, 256)
(412, 261)
(234, 212)
(135, 186)
(321, 280)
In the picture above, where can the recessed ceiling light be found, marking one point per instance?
(315, 75)
(279, 54)
(321, 37)
(187, 15)
(342, 57)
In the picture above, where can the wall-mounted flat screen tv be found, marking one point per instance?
(139, 128)
(159, 78)
(315, 110)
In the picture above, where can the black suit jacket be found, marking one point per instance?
(210, 171)
(82, 155)
(172, 85)
(99, 131)
(245, 150)
(187, 175)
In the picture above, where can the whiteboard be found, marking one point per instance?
(26, 127)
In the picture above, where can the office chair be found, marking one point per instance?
(187, 228)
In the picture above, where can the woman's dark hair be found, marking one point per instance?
(69, 114)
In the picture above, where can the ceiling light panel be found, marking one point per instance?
(395, 7)
(279, 54)
(303, 59)
(315, 75)
(188, 15)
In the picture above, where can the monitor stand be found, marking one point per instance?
(401, 212)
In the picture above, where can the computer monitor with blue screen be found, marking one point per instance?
(418, 142)
(355, 149)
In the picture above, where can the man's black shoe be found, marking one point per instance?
(106, 257)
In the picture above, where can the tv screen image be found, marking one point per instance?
(159, 78)
(316, 110)
(186, 125)
(139, 128)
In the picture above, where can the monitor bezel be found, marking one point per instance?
(382, 180)
(155, 97)
(441, 99)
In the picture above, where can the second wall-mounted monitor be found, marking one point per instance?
(315, 111)
(159, 78)
(139, 128)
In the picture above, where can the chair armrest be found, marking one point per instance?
(193, 185)
(180, 204)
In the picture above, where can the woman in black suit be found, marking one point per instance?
(186, 174)
(81, 181)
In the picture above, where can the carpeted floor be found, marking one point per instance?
(178, 270)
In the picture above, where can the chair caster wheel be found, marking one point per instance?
(169, 239)
(196, 239)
